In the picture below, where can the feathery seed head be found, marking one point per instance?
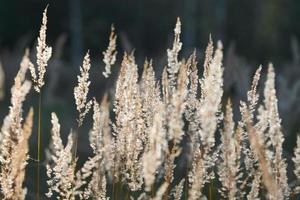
(82, 89)
(173, 63)
(111, 53)
(43, 55)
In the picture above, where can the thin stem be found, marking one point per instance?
(210, 191)
(39, 145)
(113, 190)
(127, 193)
(117, 190)
(113, 183)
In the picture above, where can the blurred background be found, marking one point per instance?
(266, 26)
(253, 32)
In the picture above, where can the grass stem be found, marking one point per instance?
(39, 146)
(210, 191)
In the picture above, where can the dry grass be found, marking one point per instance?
(135, 153)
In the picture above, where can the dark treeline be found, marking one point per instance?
(266, 26)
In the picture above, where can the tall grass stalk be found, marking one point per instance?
(43, 55)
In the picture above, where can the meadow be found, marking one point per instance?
(173, 137)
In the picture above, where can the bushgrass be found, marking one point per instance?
(170, 138)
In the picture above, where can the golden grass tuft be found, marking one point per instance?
(156, 121)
